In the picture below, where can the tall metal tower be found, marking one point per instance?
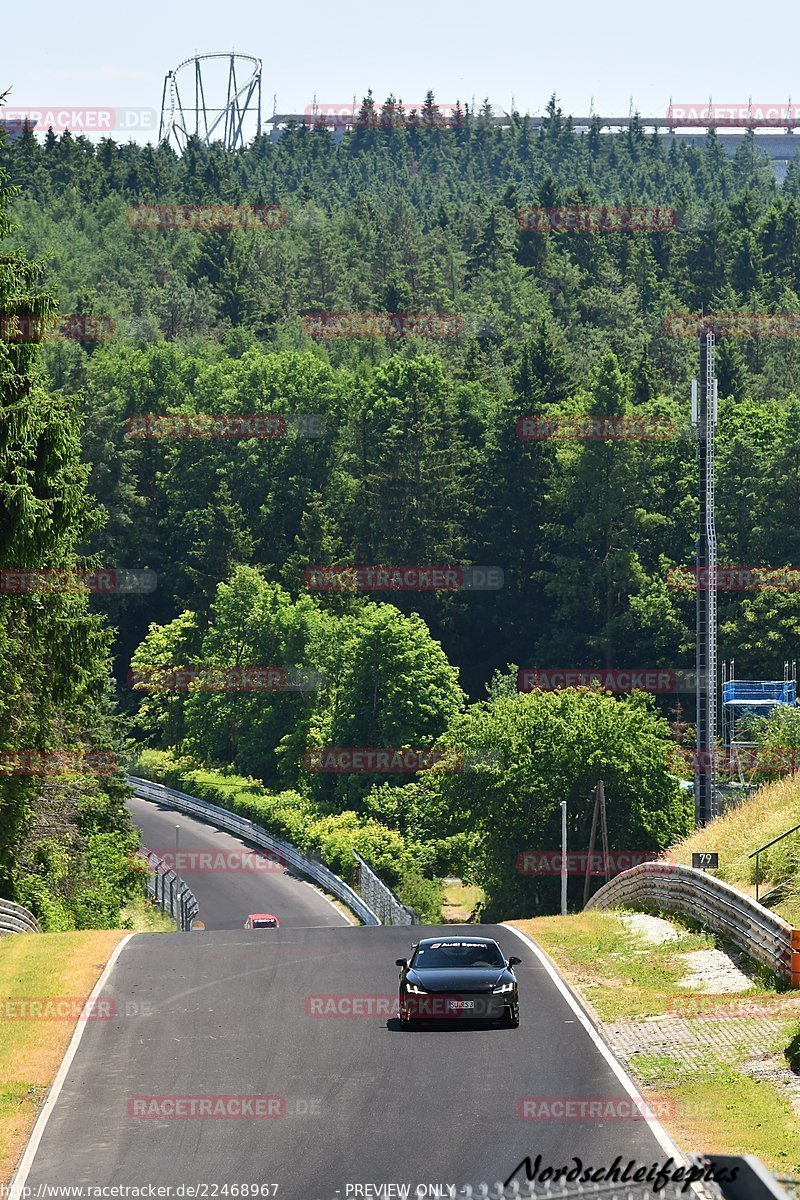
(704, 419)
(214, 122)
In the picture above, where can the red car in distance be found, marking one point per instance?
(262, 921)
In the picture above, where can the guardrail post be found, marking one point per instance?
(795, 965)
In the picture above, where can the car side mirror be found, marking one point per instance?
(401, 962)
(512, 962)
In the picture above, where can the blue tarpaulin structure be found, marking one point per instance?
(759, 693)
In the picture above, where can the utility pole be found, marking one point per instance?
(704, 420)
(601, 795)
(563, 858)
(177, 852)
(590, 855)
(599, 810)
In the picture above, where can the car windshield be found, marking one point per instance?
(264, 924)
(437, 955)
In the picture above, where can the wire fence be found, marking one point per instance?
(381, 898)
(169, 891)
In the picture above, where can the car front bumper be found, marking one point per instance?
(443, 1006)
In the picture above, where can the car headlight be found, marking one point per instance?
(503, 987)
(416, 991)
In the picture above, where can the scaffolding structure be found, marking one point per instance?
(704, 421)
(743, 700)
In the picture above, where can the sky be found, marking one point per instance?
(100, 54)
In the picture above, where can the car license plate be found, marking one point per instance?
(461, 1004)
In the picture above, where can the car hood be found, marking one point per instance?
(459, 979)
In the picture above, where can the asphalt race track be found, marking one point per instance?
(362, 1102)
(227, 893)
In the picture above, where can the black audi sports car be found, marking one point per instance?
(458, 977)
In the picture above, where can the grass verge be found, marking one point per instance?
(140, 915)
(746, 826)
(707, 1090)
(459, 900)
(33, 967)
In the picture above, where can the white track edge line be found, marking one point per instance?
(320, 892)
(20, 1176)
(661, 1134)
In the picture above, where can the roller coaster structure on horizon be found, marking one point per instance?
(221, 123)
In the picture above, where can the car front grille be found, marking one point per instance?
(454, 1005)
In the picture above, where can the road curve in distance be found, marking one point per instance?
(226, 886)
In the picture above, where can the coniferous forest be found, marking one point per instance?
(415, 459)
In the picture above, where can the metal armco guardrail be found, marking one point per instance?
(381, 898)
(244, 828)
(16, 919)
(761, 934)
(169, 891)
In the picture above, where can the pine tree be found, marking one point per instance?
(53, 653)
